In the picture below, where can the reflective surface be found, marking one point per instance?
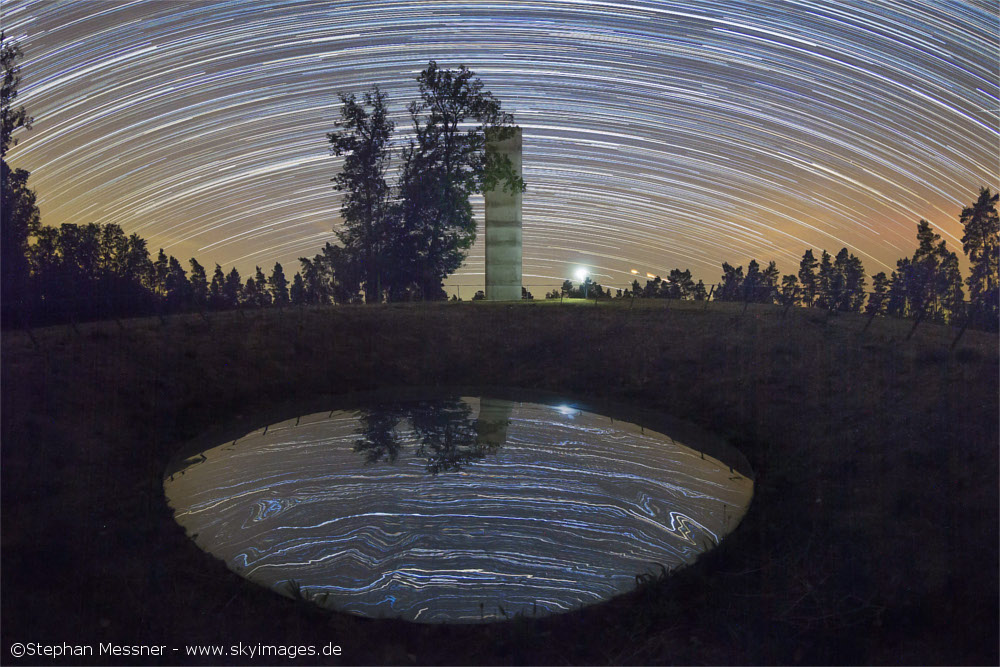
(455, 509)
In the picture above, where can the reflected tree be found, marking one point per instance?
(379, 441)
(444, 431)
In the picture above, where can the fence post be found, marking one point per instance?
(709, 297)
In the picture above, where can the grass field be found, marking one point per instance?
(872, 537)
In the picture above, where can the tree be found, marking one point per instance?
(680, 284)
(232, 289)
(879, 297)
(790, 289)
(448, 160)
(215, 289)
(699, 292)
(11, 118)
(853, 297)
(363, 138)
(19, 217)
(160, 267)
(808, 278)
(768, 289)
(279, 285)
(263, 296)
(897, 303)
(342, 274)
(178, 292)
(297, 292)
(929, 284)
(199, 283)
(731, 287)
(825, 284)
(949, 285)
(981, 244)
(250, 294)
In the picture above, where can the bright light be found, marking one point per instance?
(651, 276)
(581, 274)
(566, 410)
(634, 272)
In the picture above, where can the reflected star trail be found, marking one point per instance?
(657, 135)
(564, 510)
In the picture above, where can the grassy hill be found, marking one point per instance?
(872, 537)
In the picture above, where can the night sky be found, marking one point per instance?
(657, 135)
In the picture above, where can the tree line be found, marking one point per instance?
(928, 285)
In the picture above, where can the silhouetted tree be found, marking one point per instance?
(232, 289)
(215, 296)
(343, 276)
(250, 296)
(929, 284)
(731, 287)
(981, 244)
(315, 280)
(19, 217)
(279, 285)
(878, 300)
(363, 137)
(160, 266)
(699, 293)
(897, 302)
(263, 293)
(790, 290)
(199, 284)
(680, 285)
(825, 283)
(808, 278)
(768, 290)
(297, 292)
(178, 293)
(853, 297)
(446, 162)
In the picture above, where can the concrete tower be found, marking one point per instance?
(503, 231)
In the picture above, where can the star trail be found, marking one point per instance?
(657, 135)
(565, 511)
